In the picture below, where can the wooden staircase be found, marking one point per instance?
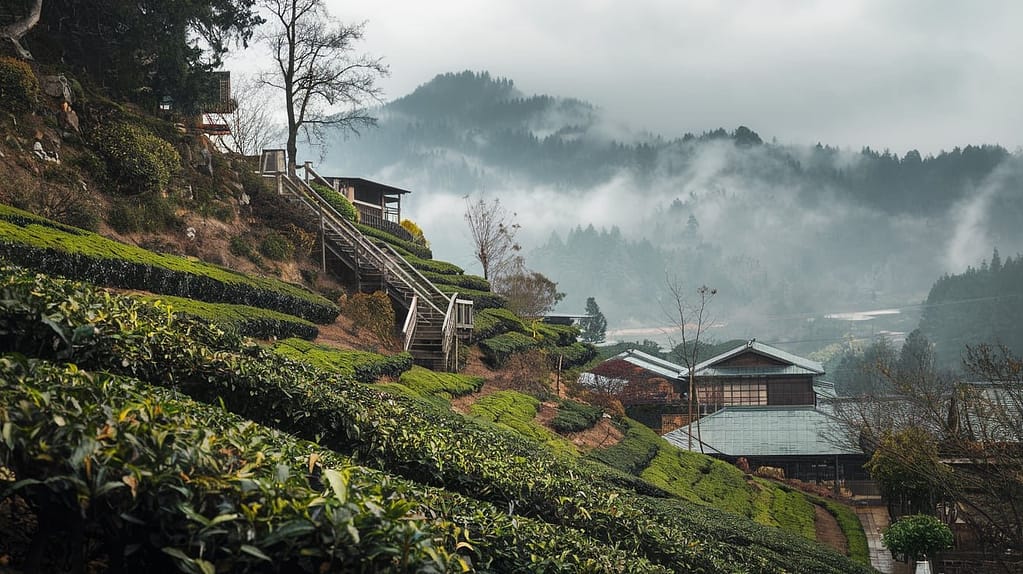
(433, 319)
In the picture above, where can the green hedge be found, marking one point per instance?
(47, 246)
(480, 299)
(446, 385)
(433, 266)
(497, 350)
(137, 158)
(242, 319)
(551, 335)
(338, 201)
(515, 411)
(474, 282)
(575, 354)
(589, 505)
(495, 321)
(852, 528)
(19, 89)
(363, 366)
(574, 416)
(418, 250)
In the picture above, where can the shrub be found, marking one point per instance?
(363, 366)
(497, 350)
(432, 265)
(242, 319)
(338, 201)
(136, 158)
(417, 250)
(473, 282)
(917, 536)
(533, 511)
(240, 246)
(19, 88)
(495, 321)
(424, 383)
(574, 416)
(371, 311)
(480, 299)
(146, 212)
(574, 355)
(515, 411)
(277, 247)
(49, 246)
(415, 231)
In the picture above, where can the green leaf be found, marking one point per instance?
(338, 483)
(253, 551)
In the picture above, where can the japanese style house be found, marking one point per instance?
(754, 401)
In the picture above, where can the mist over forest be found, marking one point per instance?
(790, 234)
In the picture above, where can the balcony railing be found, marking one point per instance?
(370, 215)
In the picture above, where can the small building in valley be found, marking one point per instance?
(754, 401)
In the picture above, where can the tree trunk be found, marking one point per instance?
(16, 30)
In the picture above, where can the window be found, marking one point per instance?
(744, 394)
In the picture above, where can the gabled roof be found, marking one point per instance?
(801, 365)
(764, 431)
(371, 185)
(651, 363)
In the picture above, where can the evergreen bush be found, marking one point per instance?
(19, 88)
(277, 247)
(139, 160)
(338, 201)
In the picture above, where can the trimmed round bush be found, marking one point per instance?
(19, 88)
(136, 158)
(917, 536)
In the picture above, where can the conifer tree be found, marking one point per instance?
(594, 326)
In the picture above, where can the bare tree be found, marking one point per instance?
(493, 232)
(15, 30)
(690, 318)
(252, 123)
(948, 447)
(325, 82)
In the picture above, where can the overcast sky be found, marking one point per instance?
(925, 74)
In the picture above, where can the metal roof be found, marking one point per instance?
(652, 363)
(764, 431)
(772, 370)
(765, 350)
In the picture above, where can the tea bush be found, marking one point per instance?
(417, 250)
(338, 201)
(489, 323)
(516, 411)
(574, 355)
(497, 350)
(433, 266)
(48, 246)
(242, 319)
(362, 366)
(463, 281)
(574, 416)
(587, 506)
(174, 485)
(139, 160)
(480, 299)
(19, 88)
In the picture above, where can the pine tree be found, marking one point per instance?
(594, 326)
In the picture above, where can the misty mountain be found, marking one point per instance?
(787, 233)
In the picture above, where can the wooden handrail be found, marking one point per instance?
(409, 328)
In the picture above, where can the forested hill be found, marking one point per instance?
(781, 229)
(480, 129)
(982, 305)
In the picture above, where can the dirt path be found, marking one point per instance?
(829, 532)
